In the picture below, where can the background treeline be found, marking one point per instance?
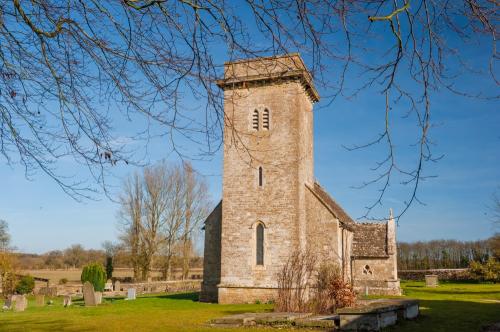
(76, 256)
(446, 254)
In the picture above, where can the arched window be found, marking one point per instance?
(260, 244)
(255, 120)
(265, 119)
(260, 177)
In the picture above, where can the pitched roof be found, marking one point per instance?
(370, 240)
(332, 205)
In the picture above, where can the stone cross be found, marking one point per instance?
(67, 300)
(131, 294)
(88, 294)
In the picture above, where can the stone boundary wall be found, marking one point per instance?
(443, 274)
(171, 286)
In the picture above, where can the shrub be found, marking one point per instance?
(95, 274)
(63, 281)
(293, 281)
(331, 291)
(25, 285)
(488, 271)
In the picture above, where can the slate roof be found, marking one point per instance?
(370, 240)
(332, 205)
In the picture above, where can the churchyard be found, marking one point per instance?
(451, 306)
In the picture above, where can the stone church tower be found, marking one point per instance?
(271, 204)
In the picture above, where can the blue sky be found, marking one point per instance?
(42, 217)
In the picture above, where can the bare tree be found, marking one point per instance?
(4, 235)
(196, 209)
(131, 214)
(70, 69)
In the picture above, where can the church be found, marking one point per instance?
(272, 205)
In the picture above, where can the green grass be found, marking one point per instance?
(449, 307)
(452, 307)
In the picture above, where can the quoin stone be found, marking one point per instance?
(272, 204)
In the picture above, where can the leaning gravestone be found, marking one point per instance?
(67, 300)
(20, 302)
(88, 294)
(117, 286)
(40, 300)
(431, 280)
(131, 294)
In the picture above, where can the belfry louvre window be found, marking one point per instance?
(260, 245)
(265, 119)
(255, 120)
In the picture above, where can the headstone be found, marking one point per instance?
(40, 300)
(117, 286)
(431, 280)
(67, 300)
(20, 302)
(131, 294)
(108, 286)
(88, 294)
(98, 297)
(8, 303)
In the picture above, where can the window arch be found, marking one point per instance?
(260, 244)
(261, 177)
(265, 119)
(255, 120)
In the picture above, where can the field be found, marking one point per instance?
(450, 307)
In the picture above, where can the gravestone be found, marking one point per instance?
(431, 280)
(20, 302)
(40, 300)
(117, 286)
(67, 300)
(88, 294)
(98, 297)
(131, 294)
(108, 286)
(8, 303)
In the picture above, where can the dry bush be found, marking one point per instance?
(331, 291)
(293, 280)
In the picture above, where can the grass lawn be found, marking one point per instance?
(450, 307)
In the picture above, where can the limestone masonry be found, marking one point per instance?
(271, 203)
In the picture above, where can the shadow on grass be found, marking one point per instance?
(457, 316)
(192, 296)
(23, 323)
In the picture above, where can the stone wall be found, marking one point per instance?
(443, 274)
(233, 295)
(212, 256)
(322, 231)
